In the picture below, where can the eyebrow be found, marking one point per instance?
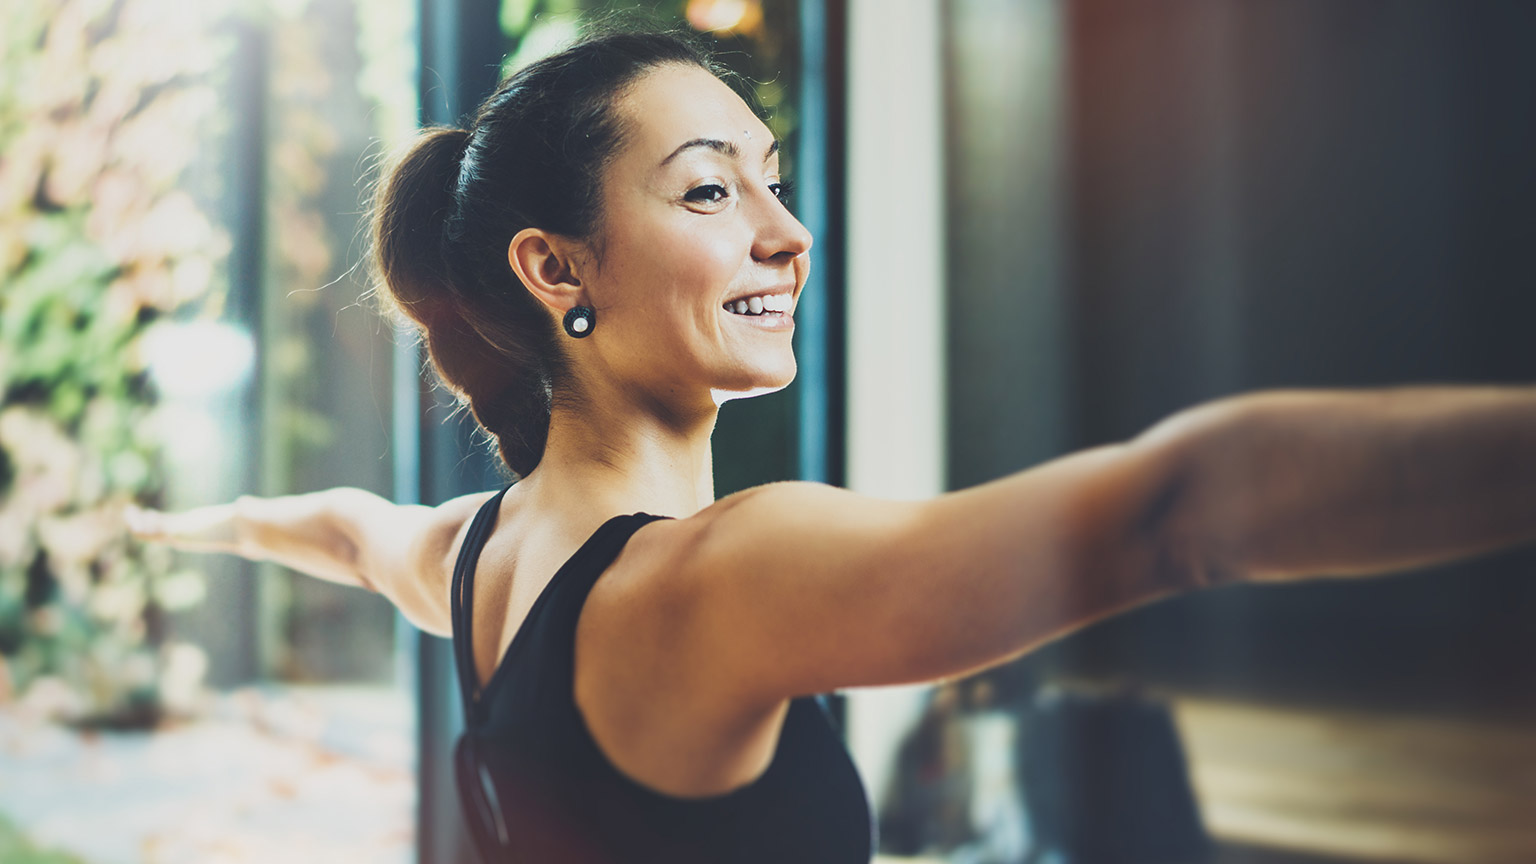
(725, 148)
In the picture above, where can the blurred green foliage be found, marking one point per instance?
(16, 849)
(101, 104)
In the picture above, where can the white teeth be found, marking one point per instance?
(760, 304)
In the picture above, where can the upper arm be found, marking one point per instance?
(796, 588)
(407, 552)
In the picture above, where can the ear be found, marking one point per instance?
(545, 263)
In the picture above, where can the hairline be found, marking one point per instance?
(624, 124)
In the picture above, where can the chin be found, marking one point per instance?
(722, 396)
(754, 377)
(758, 382)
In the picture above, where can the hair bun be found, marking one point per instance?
(411, 209)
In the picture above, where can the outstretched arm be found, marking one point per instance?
(343, 535)
(1292, 484)
(796, 588)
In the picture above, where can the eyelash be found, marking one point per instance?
(781, 190)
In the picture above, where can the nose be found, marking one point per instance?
(779, 234)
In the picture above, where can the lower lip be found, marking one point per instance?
(766, 321)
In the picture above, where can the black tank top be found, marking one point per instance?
(536, 789)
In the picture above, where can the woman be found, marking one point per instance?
(599, 262)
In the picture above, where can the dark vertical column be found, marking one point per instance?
(461, 52)
(819, 348)
(821, 153)
(1008, 308)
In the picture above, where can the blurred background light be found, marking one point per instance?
(725, 17)
(192, 359)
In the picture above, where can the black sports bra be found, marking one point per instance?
(536, 788)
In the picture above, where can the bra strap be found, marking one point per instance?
(463, 594)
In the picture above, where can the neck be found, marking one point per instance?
(619, 452)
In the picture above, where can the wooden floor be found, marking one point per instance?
(1226, 853)
(297, 775)
(1293, 786)
(1237, 853)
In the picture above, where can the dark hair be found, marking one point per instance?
(534, 156)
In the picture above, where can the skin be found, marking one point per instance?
(677, 240)
(693, 641)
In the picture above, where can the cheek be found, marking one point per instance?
(665, 271)
(704, 251)
(685, 263)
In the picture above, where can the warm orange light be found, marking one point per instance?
(725, 17)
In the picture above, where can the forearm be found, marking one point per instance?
(1303, 483)
(315, 533)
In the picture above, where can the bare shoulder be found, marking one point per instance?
(447, 526)
(757, 532)
(432, 537)
(444, 532)
(650, 682)
(669, 569)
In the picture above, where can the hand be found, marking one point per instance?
(201, 529)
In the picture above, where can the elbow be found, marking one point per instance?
(342, 513)
(1191, 521)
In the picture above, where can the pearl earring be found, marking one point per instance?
(579, 321)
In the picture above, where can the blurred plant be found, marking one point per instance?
(16, 849)
(102, 103)
(333, 110)
(301, 141)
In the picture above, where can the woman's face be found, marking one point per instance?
(691, 223)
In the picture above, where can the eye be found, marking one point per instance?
(709, 193)
(782, 190)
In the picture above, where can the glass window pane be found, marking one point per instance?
(184, 321)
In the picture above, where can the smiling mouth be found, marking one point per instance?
(758, 305)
